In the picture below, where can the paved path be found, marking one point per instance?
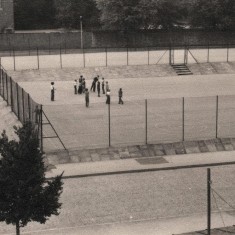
(136, 165)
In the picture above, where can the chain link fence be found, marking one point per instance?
(24, 107)
(141, 122)
(103, 57)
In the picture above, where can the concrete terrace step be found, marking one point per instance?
(140, 151)
(181, 69)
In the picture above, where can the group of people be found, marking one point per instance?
(80, 87)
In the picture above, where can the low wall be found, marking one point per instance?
(55, 40)
(72, 40)
(161, 38)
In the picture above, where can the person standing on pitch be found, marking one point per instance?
(103, 86)
(108, 93)
(120, 93)
(87, 97)
(106, 86)
(98, 87)
(75, 84)
(93, 85)
(52, 91)
(83, 85)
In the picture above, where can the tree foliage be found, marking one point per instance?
(138, 14)
(68, 13)
(34, 14)
(25, 194)
(213, 14)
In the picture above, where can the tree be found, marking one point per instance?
(34, 14)
(25, 194)
(213, 14)
(68, 13)
(138, 14)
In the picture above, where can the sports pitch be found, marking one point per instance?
(81, 127)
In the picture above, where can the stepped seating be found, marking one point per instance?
(181, 69)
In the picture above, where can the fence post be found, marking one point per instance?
(14, 60)
(49, 44)
(18, 106)
(127, 56)
(41, 131)
(109, 125)
(29, 107)
(208, 53)
(208, 201)
(84, 57)
(146, 121)
(61, 66)
(29, 46)
(148, 54)
(106, 56)
(169, 54)
(228, 53)
(23, 109)
(11, 95)
(0, 78)
(217, 116)
(7, 88)
(183, 117)
(3, 92)
(38, 57)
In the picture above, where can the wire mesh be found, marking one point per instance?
(200, 118)
(127, 123)
(164, 120)
(226, 121)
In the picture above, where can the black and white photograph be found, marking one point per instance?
(117, 117)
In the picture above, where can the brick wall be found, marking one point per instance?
(6, 15)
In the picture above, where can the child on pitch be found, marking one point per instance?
(120, 93)
(52, 91)
(108, 93)
(107, 86)
(98, 87)
(75, 85)
(87, 97)
(103, 90)
(83, 85)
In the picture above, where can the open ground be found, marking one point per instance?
(81, 127)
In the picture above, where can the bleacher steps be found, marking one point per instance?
(181, 69)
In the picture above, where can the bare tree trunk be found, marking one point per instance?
(17, 228)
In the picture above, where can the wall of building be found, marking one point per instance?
(6, 15)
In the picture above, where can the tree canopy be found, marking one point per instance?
(25, 194)
(213, 14)
(137, 14)
(124, 14)
(68, 13)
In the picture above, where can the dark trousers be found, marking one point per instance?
(120, 100)
(75, 90)
(98, 90)
(108, 99)
(52, 95)
(87, 102)
(103, 89)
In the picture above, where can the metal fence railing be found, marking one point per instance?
(142, 122)
(24, 107)
(90, 57)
